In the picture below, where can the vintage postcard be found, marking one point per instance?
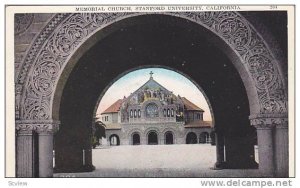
(150, 91)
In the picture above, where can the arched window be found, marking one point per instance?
(131, 113)
(135, 113)
(168, 112)
(165, 112)
(172, 112)
(139, 113)
(151, 110)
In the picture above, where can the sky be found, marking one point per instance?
(171, 80)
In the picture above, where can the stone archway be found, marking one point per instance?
(136, 139)
(204, 138)
(57, 49)
(169, 138)
(114, 140)
(152, 138)
(191, 138)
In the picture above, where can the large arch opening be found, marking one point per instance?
(150, 41)
(114, 140)
(152, 138)
(136, 139)
(204, 138)
(191, 138)
(169, 138)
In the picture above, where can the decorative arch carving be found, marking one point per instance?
(152, 129)
(134, 130)
(65, 32)
(169, 129)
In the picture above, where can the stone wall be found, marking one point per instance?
(27, 27)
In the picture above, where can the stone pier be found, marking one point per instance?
(272, 135)
(35, 147)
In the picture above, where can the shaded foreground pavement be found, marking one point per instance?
(158, 161)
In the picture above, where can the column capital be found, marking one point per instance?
(39, 126)
(269, 121)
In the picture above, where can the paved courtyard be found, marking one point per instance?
(158, 161)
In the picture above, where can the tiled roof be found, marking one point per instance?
(199, 123)
(114, 107)
(189, 105)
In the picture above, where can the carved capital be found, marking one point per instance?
(268, 121)
(39, 126)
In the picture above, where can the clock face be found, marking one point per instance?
(151, 110)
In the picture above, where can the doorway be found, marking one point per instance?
(191, 138)
(114, 140)
(136, 139)
(204, 138)
(169, 138)
(152, 138)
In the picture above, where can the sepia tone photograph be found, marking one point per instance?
(151, 91)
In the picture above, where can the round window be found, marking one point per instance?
(151, 110)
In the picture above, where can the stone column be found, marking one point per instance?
(45, 154)
(161, 140)
(143, 139)
(220, 151)
(88, 160)
(38, 144)
(272, 135)
(265, 149)
(45, 130)
(281, 138)
(26, 160)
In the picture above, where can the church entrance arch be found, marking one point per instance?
(191, 138)
(152, 138)
(57, 71)
(136, 139)
(169, 138)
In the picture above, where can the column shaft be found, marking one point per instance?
(220, 150)
(281, 152)
(45, 154)
(26, 161)
(265, 150)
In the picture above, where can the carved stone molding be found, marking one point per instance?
(65, 32)
(268, 121)
(18, 92)
(46, 126)
(22, 22)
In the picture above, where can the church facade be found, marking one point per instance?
(154, 115)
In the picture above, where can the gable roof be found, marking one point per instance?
(115, 107)
(190, 106)
(151, 83)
